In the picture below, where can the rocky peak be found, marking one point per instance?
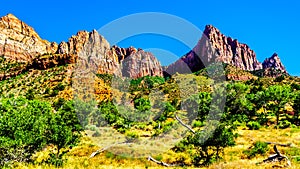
(138, 63)
(93, 49)
(214, 46)
(20, 42)
(231, 51)
(275, 63)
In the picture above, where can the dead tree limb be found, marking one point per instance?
(186, 126)
(277, 157)
(106, 148)
(160, 162)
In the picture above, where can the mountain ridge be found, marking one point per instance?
(216, 47)
(20, 43)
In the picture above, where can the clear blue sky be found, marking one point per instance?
(266, 26)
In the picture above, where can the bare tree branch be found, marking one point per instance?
(106, 148)
(186, 126)
(160, 162)
(277, 157)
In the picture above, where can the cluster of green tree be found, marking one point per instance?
(28, 126)
(253, 101)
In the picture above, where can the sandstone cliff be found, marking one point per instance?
(216, 47)
(20, 43)
(275, 63)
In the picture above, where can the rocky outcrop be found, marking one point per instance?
(88, 50)
(20, 42)
(216, 47)
(95, 53)
(230, 51)
(275, 63)
(139, 64)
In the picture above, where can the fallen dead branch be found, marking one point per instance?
(160, 162)
(106, 148)
(277, 158)
(186, 126)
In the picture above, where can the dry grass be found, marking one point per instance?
(78, 158)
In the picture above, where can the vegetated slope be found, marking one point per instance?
(27, 58)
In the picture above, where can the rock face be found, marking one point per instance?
(140, 64)
(94, 51)
(275, 63)
(216, 47)
(19, 42)
(231, 51)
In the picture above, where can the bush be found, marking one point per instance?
(132, 136)
(198, 124)
(91, 127)
(27, 126)
(284, 124)
(96, 134)
(253, 125)
(258, 148)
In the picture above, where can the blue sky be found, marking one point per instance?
(266, 26)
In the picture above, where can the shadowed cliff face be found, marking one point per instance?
(19, 42)
(216, 47)
(275, 63)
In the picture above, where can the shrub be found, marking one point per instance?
(284, 124)
(132, 135)
(91, 127)
(96, 134)
(198, 124)
(253, 125)
(258, 148)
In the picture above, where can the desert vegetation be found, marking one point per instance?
(43, 125)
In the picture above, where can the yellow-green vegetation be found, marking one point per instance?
(39, 84)
(138, 117)
(234, 157)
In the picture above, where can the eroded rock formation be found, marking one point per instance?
(19, 42)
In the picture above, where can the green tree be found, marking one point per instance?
(296, 107)
(27, 126)
(238, 105)
(210, 149)
(23, 128)
(277, 96)
(198, 106)
(63, 132)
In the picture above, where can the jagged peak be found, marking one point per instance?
(274, 62)
(10, 15)
(274, 55)
(211, 27)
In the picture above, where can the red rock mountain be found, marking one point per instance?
(216, 47)
(20, 43)
(275, 63)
